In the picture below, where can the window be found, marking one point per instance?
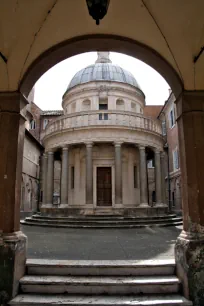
(135, 177)
(72, 177)
(172, 118)
(103, 105)
(163, 128)
(176, 159)
(45, 123)
(32, 125)
(103, 116)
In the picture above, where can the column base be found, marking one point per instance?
(63, 205)
(144, 205)
(189, 254)
(160, 205)
(12, 264)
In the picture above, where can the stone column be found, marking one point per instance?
(44, 178)
(12, 240)
(189, 249)
(158, 185)
(118, 174)
(163, 174)
(50, 177)
(64, 176)
(143, 178)
(89, 173)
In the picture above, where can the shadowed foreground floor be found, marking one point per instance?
(99, 244)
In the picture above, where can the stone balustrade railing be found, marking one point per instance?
(103, 118)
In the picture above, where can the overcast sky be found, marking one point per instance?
(52, 85)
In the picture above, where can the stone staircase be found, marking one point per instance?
(101, 283)
(101, 221)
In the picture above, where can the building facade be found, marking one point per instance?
(168, 117)
(96, 153)
(105, 152)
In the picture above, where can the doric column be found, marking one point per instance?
(44, 178)
(89, 173)
(158, 186)
(12, 240)
(189, 248)
(163, 174)
(64, 176)
(50, 177)
(143, 177)
(118, 173)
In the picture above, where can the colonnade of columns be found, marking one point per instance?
(48, 175)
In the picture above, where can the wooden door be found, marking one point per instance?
(104, 186)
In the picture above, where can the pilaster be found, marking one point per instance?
(189, 248)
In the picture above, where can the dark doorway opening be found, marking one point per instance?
(104, 186)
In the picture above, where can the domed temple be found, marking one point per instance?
(96, 154)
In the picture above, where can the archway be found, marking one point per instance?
(100, 42)
(89, 43)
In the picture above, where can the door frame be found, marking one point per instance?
(95, 184)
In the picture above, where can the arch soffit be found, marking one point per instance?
(101, 42)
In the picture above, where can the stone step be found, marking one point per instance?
(100, 267)
(114, 217)
(108, 225)
(99, 300)
(92, 285)
(113, 221)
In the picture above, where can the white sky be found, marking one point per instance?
(52, 85)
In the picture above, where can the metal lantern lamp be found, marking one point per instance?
(97, 9)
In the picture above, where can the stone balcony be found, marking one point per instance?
(100, 118)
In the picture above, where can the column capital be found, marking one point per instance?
(157, 151)
(89, 144)
(45, 155)
(118, 143)
(65, 148)
(141, 147)
(50, 152)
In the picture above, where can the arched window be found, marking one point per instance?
(120, 105)
(32, 124)
(45, 123)
(86, 105)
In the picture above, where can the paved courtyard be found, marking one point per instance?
(99, 244)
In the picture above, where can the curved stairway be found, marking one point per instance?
(100, 283)
(101, 221)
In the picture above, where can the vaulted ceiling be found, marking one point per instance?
(173, 28)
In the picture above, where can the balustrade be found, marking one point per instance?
(103, 118)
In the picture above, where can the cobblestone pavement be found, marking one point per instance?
(99, 244)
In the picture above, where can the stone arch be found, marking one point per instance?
(101, 42)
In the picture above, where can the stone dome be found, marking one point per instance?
(103, 70)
